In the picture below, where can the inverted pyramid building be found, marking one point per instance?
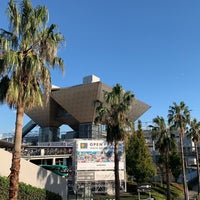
(75, 107)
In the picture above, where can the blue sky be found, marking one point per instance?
(150, 47)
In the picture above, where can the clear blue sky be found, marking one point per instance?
(150, 47)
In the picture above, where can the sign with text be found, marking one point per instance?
(97, 155)
(144, 188)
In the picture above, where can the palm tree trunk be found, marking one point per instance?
(167, 177)
(197, 160)
(15, 167)
(117, 186)
(185, 187)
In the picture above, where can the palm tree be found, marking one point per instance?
(165, 143)
(178, 119)
(28, 52)
(113, 112)
(175, 163)
(194, 133)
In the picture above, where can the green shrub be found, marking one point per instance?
(158, 190)
(26, 192)
(4, 188)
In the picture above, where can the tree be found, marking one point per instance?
(164, 143)
(175, 163)
(139, 160)
(28, 52)
(113, 112)
(178, 119)
(194, 133)
(160, 168)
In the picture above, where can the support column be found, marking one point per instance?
(54, 161)
(49, 134)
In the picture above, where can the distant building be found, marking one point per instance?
(91, 160)
(75, 107)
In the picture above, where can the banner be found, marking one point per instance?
(97, 155)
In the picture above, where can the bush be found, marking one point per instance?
(158, 190)
(26, 192)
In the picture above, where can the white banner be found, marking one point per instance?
(97, 155)
(108, 175)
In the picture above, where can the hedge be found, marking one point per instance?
(26, 192)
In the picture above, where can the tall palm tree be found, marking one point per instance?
(194, 133)
(113, 112)
(178, 119)
(28, 52)
(164, 143)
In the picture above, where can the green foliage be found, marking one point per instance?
(138, 158)
(179, 119)
(26, 192)
(29, 53)
(4, 185)
(113, 112)
(175, 164)
(157, 192)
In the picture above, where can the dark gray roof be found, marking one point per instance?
(75, 105)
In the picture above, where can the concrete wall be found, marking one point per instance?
(34, 175)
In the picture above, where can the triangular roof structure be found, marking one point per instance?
(76, 105)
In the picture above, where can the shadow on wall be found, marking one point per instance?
(53, 183)
(34, 175)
